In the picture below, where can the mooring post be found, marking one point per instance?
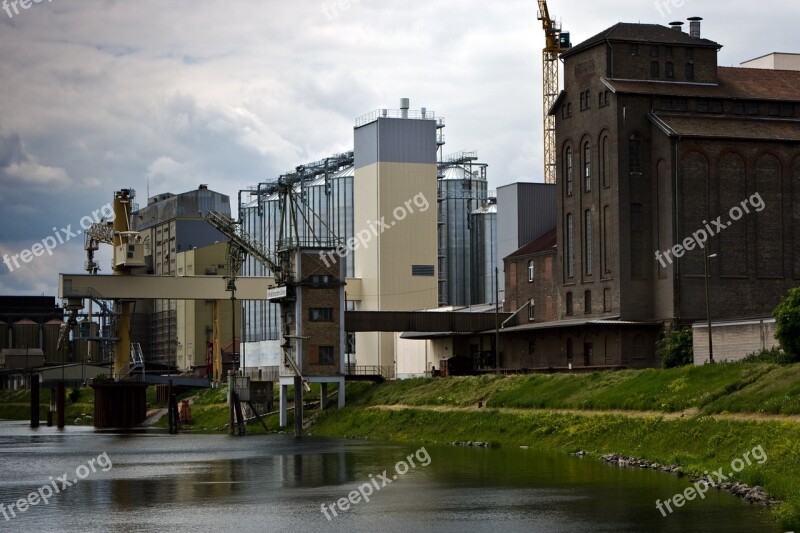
(52, 407)
(298, 407)
(60, 400)
(231, 400)
(35, 401)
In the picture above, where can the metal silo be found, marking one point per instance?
(462, 189)
(26, 334)
(484, 252)
(3, 335)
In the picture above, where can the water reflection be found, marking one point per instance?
(211, 483)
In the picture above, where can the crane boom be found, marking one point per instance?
(555, 42)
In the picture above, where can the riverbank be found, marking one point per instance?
(701, 419)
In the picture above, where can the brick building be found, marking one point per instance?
(660, 151)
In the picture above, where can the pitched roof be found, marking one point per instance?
(732, 82)
(544, 243)
(641, 33)
(727, 127)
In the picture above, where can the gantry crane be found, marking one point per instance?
(555, 42)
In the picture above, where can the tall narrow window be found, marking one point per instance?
(689, 71)
(605, 163)
(654, 69)
(530, 271)
(570, 248)
(587, 302)
(569, 304)
(669, 70)
(587, 167)
(637, 242)
(635, 153)
(587, 242)
(531, 310)
(569, 350)
(568, 170)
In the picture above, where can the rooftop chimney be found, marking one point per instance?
(404, 104)
(677, 25)
(694, 26)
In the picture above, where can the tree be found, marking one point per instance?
(675, 349)
(787, 321)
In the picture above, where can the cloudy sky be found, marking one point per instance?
(98, 95)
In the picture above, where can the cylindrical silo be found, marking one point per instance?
(484, 252)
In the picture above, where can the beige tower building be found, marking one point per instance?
(395, 231)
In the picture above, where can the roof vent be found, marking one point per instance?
(677, 25)
(694, 26)
(404, 105)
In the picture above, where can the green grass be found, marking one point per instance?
(16, 405)
(738, 387)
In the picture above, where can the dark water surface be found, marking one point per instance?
(157, 482)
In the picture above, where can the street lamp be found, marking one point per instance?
(708, 309)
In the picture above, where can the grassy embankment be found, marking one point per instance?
(700, 418)
(16, 405)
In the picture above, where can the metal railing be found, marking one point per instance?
(394, 113)
(368, 370)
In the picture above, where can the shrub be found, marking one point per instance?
(773, 355)
(675, 349)
(787, 320)
(74, 394)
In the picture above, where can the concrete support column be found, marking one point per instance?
(341, 392)
(282, 408)
(323, 396)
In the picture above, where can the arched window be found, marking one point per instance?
(587, 167)
(588, 248)
(568, 170)
(570, 246)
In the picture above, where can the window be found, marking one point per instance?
(531, 311)
(637, 241)
(669, 70)
(690, 53)
(588, 102)
(606, 299)
(587, 167)
(587, 242)
(781, 110)
(422, 270)
(320, 280)
(530, 271)
(570, 249)
(568, 169)
(326, 355)
(320, 314)
(689, 71)
(605, 163)
(634, 49)
(702, 106)
(583, 100)
(587, 302)
(569, 304)
(668, 51)
(654, 51)
(635, 154)
(716, 106)
(566, 110)
(654, 69)
(741, 108)
(569, 351)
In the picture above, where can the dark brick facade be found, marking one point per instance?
(663, 160)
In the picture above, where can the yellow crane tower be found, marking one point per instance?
(555, 42)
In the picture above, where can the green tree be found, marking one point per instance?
(675, 349)
(787, 320)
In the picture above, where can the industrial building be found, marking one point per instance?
(656, 140)
(384, 201)
(169, 225)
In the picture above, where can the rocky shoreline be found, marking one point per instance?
(750, 494)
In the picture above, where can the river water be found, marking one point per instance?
(154, 482)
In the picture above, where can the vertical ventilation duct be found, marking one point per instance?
(694, 26)
(404, 104)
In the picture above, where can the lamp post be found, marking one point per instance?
(708, 309)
